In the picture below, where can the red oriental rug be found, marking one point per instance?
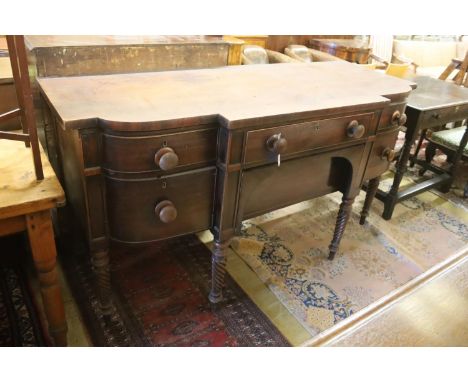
(160, 293)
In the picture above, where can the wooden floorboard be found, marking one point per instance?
(430, 310)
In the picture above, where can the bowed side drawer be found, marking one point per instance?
(382, 154)
(142, 210)
(162, 153)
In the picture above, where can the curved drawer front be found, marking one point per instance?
(131, 205)
(137, 154)
(385, 121)
(378, 161)
(305, 136)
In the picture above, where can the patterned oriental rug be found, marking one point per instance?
(288, 251)
(19, 318)
(160, 292)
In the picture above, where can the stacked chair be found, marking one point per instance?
(399, 68)
(254, 54)
(302, 53)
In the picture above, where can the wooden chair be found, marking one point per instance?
(25, 111)
(399, 67)
(453, 142)
(27, 196)
(461, 77)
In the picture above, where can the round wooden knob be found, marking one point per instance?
(277, 144)
(398, 119)
(355, 129)
(436, 115)
(402, 120)
(166, 211)
(166, 159)
(388, 154)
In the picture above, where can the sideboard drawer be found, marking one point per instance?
(390, 116)
(382, 153)
(439, 117)
(306, 136)
(187, 197)
(137, 154)
(270, 187)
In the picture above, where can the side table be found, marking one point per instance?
(433, 103)
(25, 205)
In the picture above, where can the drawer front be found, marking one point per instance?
(270, 187)
(379, 160)
(304, 136)
(137, 154)
(433, 118)
(388, 116)
(131, 205)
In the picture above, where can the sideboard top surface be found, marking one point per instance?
(227, 94)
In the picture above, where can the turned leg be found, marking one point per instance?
(218, 271)
(342, 219)
(100, 261)
(418, 148)
(41, 238)
(401, 166)
(371, 191)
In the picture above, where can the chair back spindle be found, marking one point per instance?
(19, 67)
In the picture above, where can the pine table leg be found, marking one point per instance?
(41, 238)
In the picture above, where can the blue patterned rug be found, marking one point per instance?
(288, 250)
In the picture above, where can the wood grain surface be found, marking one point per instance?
(38, 41)
(223, 94)
(433, 315)
(64, 56)
(432, 93)
(20, 192)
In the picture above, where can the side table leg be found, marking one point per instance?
(218, 271)
(342, 219)
(41, 238)
(100, 261)
(414, 157)
(371, 191)
(401, 166)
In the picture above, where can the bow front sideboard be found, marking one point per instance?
(150, 156)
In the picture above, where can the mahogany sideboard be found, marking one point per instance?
(149, 156)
